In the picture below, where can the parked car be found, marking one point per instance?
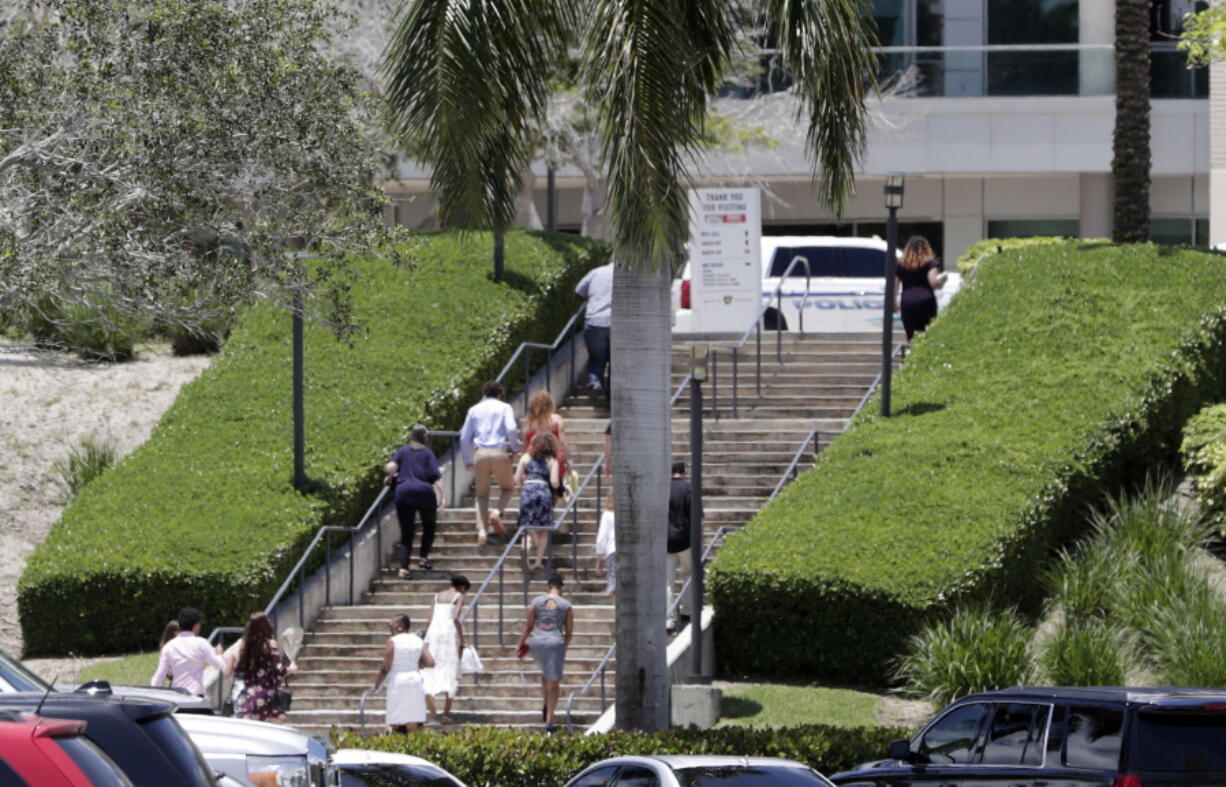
(845, 289)
(697, 771)
(249, 753)
(141, 736)
(362, 768)
(1061, 737)
(52, 753)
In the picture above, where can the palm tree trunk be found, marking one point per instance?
(1131, 162)
(642, 446)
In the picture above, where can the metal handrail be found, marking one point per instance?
(603, 666)
(754, 330)
(524, 351)
(571, 509)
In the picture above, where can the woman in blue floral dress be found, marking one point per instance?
(538, 474)
(257, 663)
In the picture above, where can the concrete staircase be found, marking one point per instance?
(821, 381)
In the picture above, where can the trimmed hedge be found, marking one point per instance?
(1204, 455)
(1062, 372)
(204, 513)
(490, 757)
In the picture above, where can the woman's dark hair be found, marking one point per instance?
(544, 445)
(492, 389)
(555, 581)
(419, 434)
(460, 582)
(170, 632)
(402, 622)
(257, 641)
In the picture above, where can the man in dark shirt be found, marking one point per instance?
(679, 495)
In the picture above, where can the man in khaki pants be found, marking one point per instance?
(487, 441)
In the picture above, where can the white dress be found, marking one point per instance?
(444, 647)
(406, 702)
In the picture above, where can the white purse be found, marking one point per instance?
(470, 662)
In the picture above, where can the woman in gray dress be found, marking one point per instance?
(547, 633)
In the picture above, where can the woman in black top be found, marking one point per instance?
(919, 277)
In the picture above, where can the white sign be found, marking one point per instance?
(725, 259)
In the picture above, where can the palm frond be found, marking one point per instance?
(466, 81)
(826, 49)
(652, 66)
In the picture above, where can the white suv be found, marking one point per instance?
(845, 288)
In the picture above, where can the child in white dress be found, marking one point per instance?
(606, 546)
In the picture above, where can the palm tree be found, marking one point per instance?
(1131, 153)
(468, 80)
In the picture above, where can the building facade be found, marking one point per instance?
(999, 112)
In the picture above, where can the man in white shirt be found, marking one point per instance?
(487, 441)
(597, 288)
(185, 657)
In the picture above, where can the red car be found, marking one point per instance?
(52, 753)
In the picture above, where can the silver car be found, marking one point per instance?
(668, 770)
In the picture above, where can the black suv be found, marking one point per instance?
(1062, 737)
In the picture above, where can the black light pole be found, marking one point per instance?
(698, 373)
(300, 478)
(551, 199)
(893, 201)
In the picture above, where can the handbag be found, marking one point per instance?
(470, 662)
(280, 700)
(521, 651)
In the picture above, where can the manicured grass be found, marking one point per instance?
(135, 669)
(204, 514)
(1061, 372)
(779, 705)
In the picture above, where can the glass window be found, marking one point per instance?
(952, 737)
(636, 776)
(1032, 21)
(1015, 736)
(597, 778)
(1031, 228)
(17, 677)
(178, 748)
(400, 776)
(1182, 742)
(740, 776)
(1170, 231)
(96, 766)
(9, 777)
(1093, 738)
(1202, 232)
(891, 22)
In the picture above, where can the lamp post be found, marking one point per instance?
(893, 201)
(698, 373)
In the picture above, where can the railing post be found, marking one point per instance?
(502, 570)
(456, 461)
(758, 362)
(301, 583)
(527, 378)
(779, 325)
(327, 572)
(735, 382)
(351, 567)
(714, 385)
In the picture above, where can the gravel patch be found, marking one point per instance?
(49, 402)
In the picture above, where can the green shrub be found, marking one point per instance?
(1204, 455)
(1085, 653)
(981, 250)
(1060, 373)
(83, 463)
(1082, 584)
(1187, 638)
(977, 649)
(490, 757)
(204, 513)
(103, 335)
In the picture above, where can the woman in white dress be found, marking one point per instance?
(445, 638)
(406, 654)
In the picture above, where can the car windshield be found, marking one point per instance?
(748, 776)
(1178, 742)
(93, 763)
(843, 262)
(174, 743)
(389, 775)
(14, 677)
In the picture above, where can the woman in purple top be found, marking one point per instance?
(918, 276)
(419, 490)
